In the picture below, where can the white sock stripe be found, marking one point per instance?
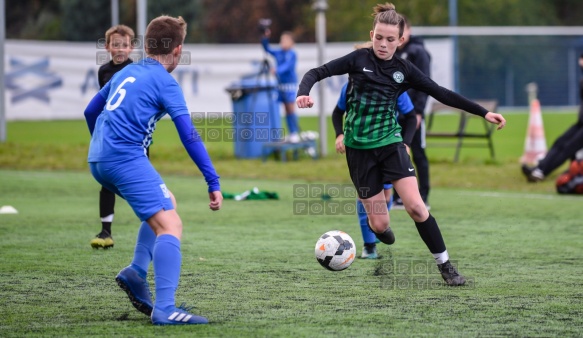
(107, 218)
(441, 258)
(173, 315)
(187, 318)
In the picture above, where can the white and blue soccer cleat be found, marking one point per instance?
(176, 316)
(370, 253)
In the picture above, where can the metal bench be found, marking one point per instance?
(460, 133)
(281, 148)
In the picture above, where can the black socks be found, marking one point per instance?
(431, 235)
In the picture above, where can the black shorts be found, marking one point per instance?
(371, 168)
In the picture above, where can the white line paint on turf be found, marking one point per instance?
(517, 195)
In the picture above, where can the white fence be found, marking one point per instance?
(56, 80)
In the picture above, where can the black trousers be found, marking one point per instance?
(563, 149)
(421, 162)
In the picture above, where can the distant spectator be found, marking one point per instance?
(287, 79)
(118, 42)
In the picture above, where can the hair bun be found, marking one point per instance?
(379, 8)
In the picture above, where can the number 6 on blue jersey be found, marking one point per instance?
(122, 94)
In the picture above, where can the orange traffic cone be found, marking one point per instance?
(535, 145)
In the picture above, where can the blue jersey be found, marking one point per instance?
(136, 97)
(404, 104)
(286, 63)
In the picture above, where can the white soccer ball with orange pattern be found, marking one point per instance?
(335, 250)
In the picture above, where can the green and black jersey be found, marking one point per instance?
(374, 86)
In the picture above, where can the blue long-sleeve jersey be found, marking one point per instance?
(286, 62)
(123, 116)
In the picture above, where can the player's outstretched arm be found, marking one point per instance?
(496, 118)
(304, 101)
(199, 155)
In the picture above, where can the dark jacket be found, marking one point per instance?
(580, 117)
(416, 52)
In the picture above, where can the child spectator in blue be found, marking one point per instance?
(285, 72)
(404, 106)
(121, 119)
(118, 42)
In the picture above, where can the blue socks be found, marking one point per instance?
(368, 236)
(164, 251)
(167, 262)
(144, 248)
(390, 203)
(293, 124)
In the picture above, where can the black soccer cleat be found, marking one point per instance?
(532, 174)
(450, 274)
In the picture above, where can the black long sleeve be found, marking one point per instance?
(310, 78)
(445, 95)
(454, 99)
(409, 125)
(337, 117)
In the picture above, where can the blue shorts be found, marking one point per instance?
(387, 186)
(137, 182)
(287, 92)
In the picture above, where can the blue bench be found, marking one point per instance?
(282, 148)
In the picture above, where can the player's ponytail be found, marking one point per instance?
(386, 13)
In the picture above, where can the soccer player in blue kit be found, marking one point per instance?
(121, 119)
(404, 107)
(287, 79)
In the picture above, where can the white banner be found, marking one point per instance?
(56, 80)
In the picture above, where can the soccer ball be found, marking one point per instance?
(335, 250)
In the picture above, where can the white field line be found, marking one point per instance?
(521, 195)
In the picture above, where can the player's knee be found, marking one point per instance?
(379, 225)
(417, 211)
(174, 229)
(166, 222)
